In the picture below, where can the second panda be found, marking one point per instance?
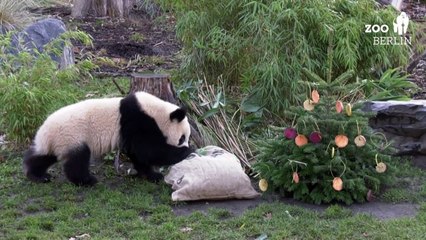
(150, 131)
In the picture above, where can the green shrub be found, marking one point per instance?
(262, 45)
(31, 87)
(392, 85)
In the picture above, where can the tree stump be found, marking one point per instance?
(161, 86)
(102, 8)
(156, 84)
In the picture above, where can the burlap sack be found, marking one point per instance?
(210, 173)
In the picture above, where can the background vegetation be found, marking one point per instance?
(262, 46)
(14, 14)
(32, 86)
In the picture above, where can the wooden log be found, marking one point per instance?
(161, 86)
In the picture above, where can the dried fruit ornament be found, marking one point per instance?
(348, 109)
(301, 140)
(295, 177)
(339, 106)
(315, 137)
(290, 133)
(337, 184)
(341, 141)
(308, 105)
(315, 96)
(263, 185)
(380, 166)
(337, 181)
(359, 140)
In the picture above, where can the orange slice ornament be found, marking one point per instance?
(341, 141)
(301, 140)
(337, 184)
(315, 96)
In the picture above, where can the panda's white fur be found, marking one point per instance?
(94, 127)
(93, 121)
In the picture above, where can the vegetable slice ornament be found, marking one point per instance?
(315, 137)
(295, 177)
(315, 96)
(308, 105)
(301, 140)
(263, 185)
(341, 141)
(337, 184)
(290, 133)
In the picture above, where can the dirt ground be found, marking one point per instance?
(136, 44)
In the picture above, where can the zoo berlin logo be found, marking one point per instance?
(400, 26)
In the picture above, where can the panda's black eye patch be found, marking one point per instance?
(181, 140)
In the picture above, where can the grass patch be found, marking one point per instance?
(129, 208)
(336, 211)
(409, 184)
(397, 195)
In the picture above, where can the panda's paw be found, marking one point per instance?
(85, 182)
(90, 181)
(155, 177)
(44, 178)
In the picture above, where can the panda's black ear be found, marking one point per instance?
(179, 114)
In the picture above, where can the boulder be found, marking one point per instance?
(403, 118)
(404, 123)
(36, 36)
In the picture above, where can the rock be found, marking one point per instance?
(36, 36)
(404, 118)
(404, 123)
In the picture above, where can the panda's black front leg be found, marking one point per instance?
(145, 170)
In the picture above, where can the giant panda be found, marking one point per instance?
(150, 131)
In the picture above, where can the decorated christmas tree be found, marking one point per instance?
(328, 153)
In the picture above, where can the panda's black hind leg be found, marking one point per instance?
(35, 166)
(76, 166)
(145, 170)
